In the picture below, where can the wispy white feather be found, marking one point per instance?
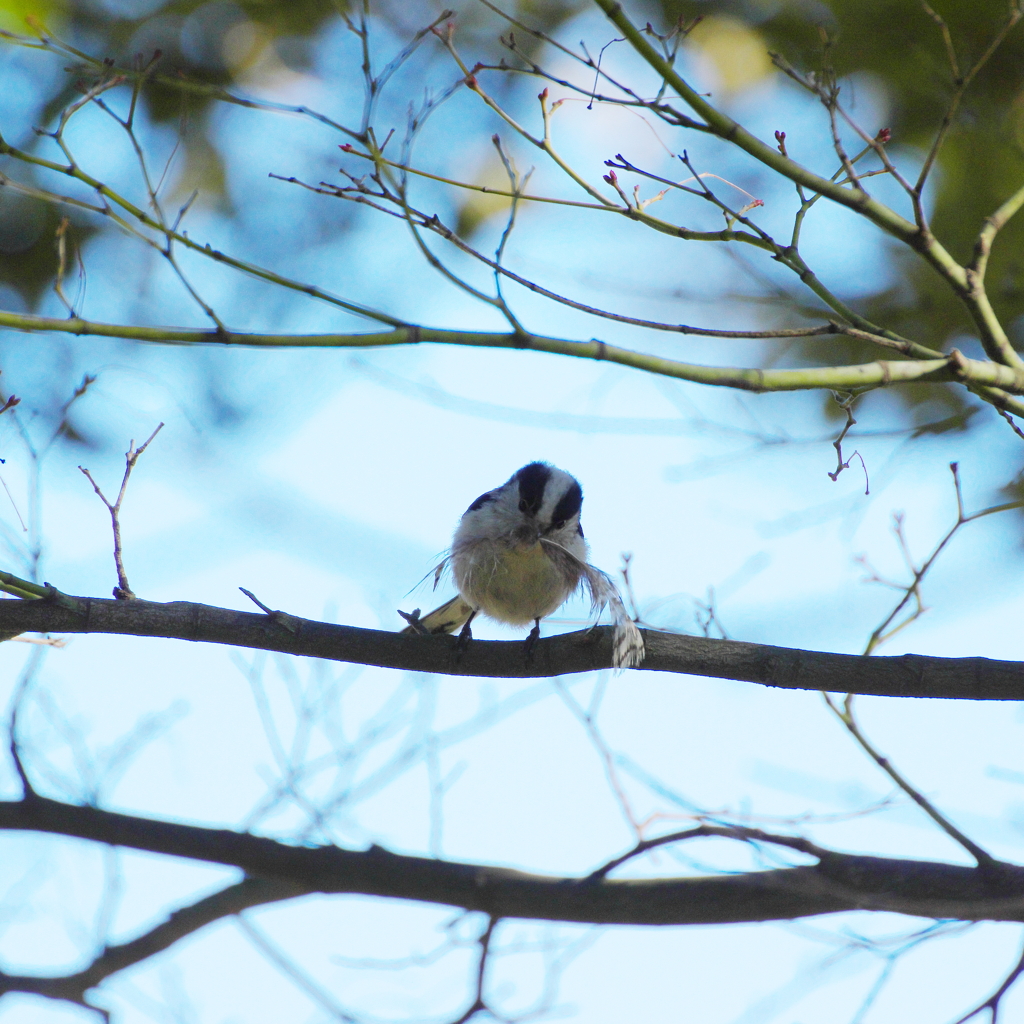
(627, 640)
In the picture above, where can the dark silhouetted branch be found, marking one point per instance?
(838, 882)
(908, 675)
(180, 923)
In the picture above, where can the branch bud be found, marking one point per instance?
(957, 362)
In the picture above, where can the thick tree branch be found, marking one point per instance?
(980, 375)
(908, 675)
(837, 883)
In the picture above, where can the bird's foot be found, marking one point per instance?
(462, 643)
(531, 641)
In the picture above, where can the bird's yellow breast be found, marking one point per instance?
(513, 584)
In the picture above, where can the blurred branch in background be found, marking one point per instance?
(148, 146)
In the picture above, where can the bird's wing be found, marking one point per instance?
(446, 619)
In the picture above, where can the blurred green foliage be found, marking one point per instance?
(897, 44)
(29, 259)
(213, 43)
(218, 43)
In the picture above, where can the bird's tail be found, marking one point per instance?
(452, 615)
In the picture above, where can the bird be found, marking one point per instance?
(517, 555)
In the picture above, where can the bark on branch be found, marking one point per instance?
(908, 675)
(838, 882)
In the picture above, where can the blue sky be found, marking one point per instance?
(327, 481)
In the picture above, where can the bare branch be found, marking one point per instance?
(912, 589)
(479, 1004)
(992, 1003)
(993, 225)
(836, 883)
(993, 382)
(703, 832)
(138, 75)
(845, 715)
(846, 404)
(145, 220)
(902, 676)
(122, 591)
(961, 82)
(178, 925)
(291, 970)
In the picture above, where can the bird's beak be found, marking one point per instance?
(525, 537)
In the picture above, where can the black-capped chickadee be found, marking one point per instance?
(518, 554)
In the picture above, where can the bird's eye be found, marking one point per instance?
(523, 507)
(558, 524)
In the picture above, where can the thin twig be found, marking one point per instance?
(846, 404)
(516, 183)
(992, 1003)
(587, 719)
(292, 970)
(1013, 426)
(845, 714)
(961, 82)
(479, 1004)
(912, 589)
(707, 831)
(987, 236)
(123, 592)
(28, 793)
